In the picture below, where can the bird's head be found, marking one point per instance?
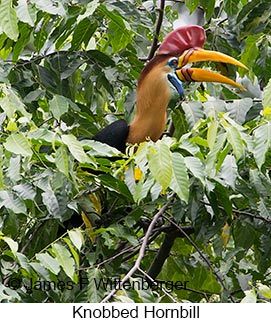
(184, 46)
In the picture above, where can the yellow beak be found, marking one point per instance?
(201, 75)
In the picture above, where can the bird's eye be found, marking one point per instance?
(173, 62)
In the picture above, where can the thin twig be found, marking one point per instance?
(209, 264)
(239, 212)
(33, 234)
(132, 249)
(141, 253)
(156, 284)
(205, 294)
(157, 30)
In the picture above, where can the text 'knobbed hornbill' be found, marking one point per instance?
(182, 46)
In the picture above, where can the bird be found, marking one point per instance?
(180, 47)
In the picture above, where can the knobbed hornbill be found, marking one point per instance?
(181, 47)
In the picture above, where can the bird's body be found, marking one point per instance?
(180, 47)
(114, 135)
(152, 98)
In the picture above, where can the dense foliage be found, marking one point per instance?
(74, 211)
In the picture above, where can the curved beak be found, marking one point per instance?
(201, 75)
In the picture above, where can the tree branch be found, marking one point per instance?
(165, 248)
(141, 253)
(157, 30)
(161, 256)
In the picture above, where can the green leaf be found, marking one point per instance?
(231, 7)
(211, 133)
(238, 109)
(262, 141)
(82, 33)
(180, 180)
(250, 53)
(24, 262)
(101, 58)
(212, 156)
(14, 168)
(188, 145)
(196, 167)
(25, 13)
(257, 180)
(62, 161)
(8, 19)
(7, 46)
(25, 191)
(2, 162)
(223, 199)
(18, 144)
(10, 202)
(244, 235)
(99, 149)
(64, 259)
(248, 8)
(40, 37)
(191, 5)
(58, 106)
(264, 61)
(264, 290)
(70, 72)
(74, 254)
(90, 9)
(76, 238)
(50, 201)
(51, 7)
(75, 148)
(11, 103)
(267, 95)
(43, 135)
(48, 262)
(142, 189)
(120, 33)
(95, 291)
(179, 122)
(235, 139)
(257, 18)
(13, 245)
(116, 184)
(264, 210)
(229, 171)
(124, 233)
(251, 296)
(193, 112)
(159, 159)
(25, 33)
(203, 277)
(208, 6)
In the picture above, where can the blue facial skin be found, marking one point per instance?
(173, 79)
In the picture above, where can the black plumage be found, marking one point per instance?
(114, 135)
